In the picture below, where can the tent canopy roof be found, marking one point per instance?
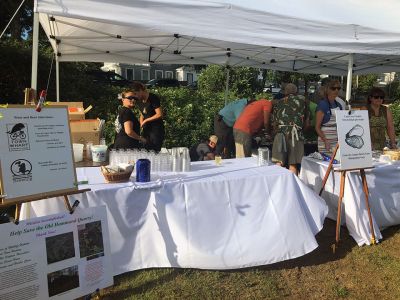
(282, 35)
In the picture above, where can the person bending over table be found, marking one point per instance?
(205, 150)
(380, 120)
(254, 116)
(151, 116)
(325, 120)
(290, 116)
(127, 126)
(223, 126)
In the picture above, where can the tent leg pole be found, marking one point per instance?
(227, 85)
(349, 79)
(57, 79)
(35, 51)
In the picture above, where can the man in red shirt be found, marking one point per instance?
(254, 117)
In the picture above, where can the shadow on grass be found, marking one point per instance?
(322, 255)
(324, 252)
(142, 288)
(388, 232)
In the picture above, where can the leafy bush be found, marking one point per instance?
(243, 81)
(395, 109)
(188, 115)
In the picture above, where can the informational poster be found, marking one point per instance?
(354, 139)
(35, 152)
(60, 256)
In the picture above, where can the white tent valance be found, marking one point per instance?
(302, 36)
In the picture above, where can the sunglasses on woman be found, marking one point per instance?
(378, 97)
(337, 88)
(131, 98)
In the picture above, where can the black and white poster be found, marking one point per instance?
(354, 139)
(35, 151)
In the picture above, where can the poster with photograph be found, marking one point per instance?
(354, 139)
(35, 153)
(61, 256)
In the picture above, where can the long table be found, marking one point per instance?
(214, 217)
(384, 199)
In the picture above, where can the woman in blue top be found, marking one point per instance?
(325, 120)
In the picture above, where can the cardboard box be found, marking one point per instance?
(75, 109)
(84, 131)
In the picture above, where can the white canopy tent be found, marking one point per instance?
(290, 35)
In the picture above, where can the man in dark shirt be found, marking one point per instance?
(151, 116)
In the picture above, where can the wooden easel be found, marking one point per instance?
(18, 204)
(30, 96)
(341, 194)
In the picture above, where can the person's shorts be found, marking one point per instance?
(293, 155)
(243, 143)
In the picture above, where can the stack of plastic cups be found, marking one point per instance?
(176, 160)
(150, 157)
(157, 163)
(263, 156)
(185, 160)
(112, 157)
(166, 162)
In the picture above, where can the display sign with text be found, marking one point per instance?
(35, 152)
(61, 256)
(354, 139)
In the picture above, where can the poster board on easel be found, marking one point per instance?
(354, 139)
(36, 156)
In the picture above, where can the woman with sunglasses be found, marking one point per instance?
(325, 119)
(127, 125)
(380, 120)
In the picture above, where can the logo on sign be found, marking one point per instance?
(21, 170)
(18, 139)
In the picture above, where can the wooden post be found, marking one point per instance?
(67, 204)
(17, 212)
(70, 208)
(366, 192)
(328, 171)
(30, 95)
(341, 194)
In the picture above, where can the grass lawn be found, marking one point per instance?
(369, 272)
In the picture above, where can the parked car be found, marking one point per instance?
(192, 86)
(163, 82)
(273, 89)
(108, 77)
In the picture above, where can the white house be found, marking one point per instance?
(186, 73)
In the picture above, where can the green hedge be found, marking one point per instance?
(395, 109)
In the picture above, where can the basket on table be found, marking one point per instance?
(115, 177)
(394, 154)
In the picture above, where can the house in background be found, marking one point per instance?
(146, 72)
(386, 78)
(186, 73)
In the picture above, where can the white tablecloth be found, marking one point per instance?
(214, 217)
(384, 188)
